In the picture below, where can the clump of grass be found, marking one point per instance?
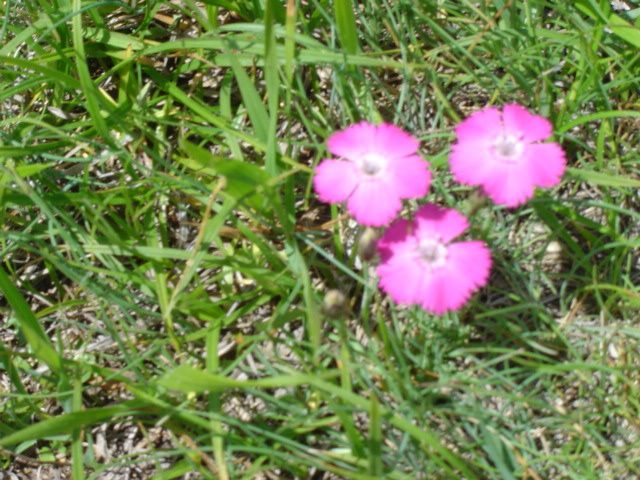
(165, 262)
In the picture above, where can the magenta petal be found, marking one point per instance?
(437, 292)
(512, 187)
(470, 162)
(353, 141)
(401, 282)
(335, 180)
(374, 203)
(450, 287)
(473, 260)
(483, 124)
(393, 142)
(400, 274)
(546, 163)
(520, 123)
(411, 176)
(445, 224)
(395, 239)
(402, 277)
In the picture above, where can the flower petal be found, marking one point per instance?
(511, 186)
(445, 224)
(483, 124)
(353, 141)
(393, 142)
(546, 163)
(449, 288)
(518, 121)
(473, 258)
(434, 294)
(471, 162)
(395, 239)
(335, 180)
(411, 176)
(374, 203)
(402, 277)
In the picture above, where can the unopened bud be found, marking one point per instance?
(477, 201)
(367, 244)
(335, 303)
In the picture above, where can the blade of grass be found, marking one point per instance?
(29, 325)
(603, 179)
(592, 117)
(9, 367)
(252, 102)
(346, 25)
(63, 424)
(92, 96)
(77, 467)
(375, 439)
(290, 50)
(213, 339)
(619, 26)
(273, 85)
(188, 379)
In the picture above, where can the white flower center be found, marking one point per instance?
(433, 252)
(372, 164)
(508, 147)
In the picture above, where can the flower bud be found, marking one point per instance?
(335, 303)
(367, 244)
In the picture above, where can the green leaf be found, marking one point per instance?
(603, 179)
(243, 179)
(290, 46)
(27, 170)
(602, 115)
(273, 83)
(29, 149)
(499, 453)
(204, 111)
(66, 424)
(313, 318)
(89, 89)
(7, 365)
(29, 325)
(252, 102)
(113, 39)
(375, 439)
(618, 25)
(626, 31)
(247, 52)
(49, 73)
(346, 25)
(179, 470)
(188, 379)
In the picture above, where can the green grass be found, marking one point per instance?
(164, 259)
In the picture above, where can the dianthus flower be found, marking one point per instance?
(378, 166)
(421, 265)
(501, 151)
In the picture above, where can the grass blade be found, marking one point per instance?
(273, 84)
(63, 424)
(29, 325)
(603, 179)
(188, 379)
(346, 25)
(252, 102)
(92, 96)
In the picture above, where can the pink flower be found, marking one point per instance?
(421, 265)
(502, 152)
(378, 167)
